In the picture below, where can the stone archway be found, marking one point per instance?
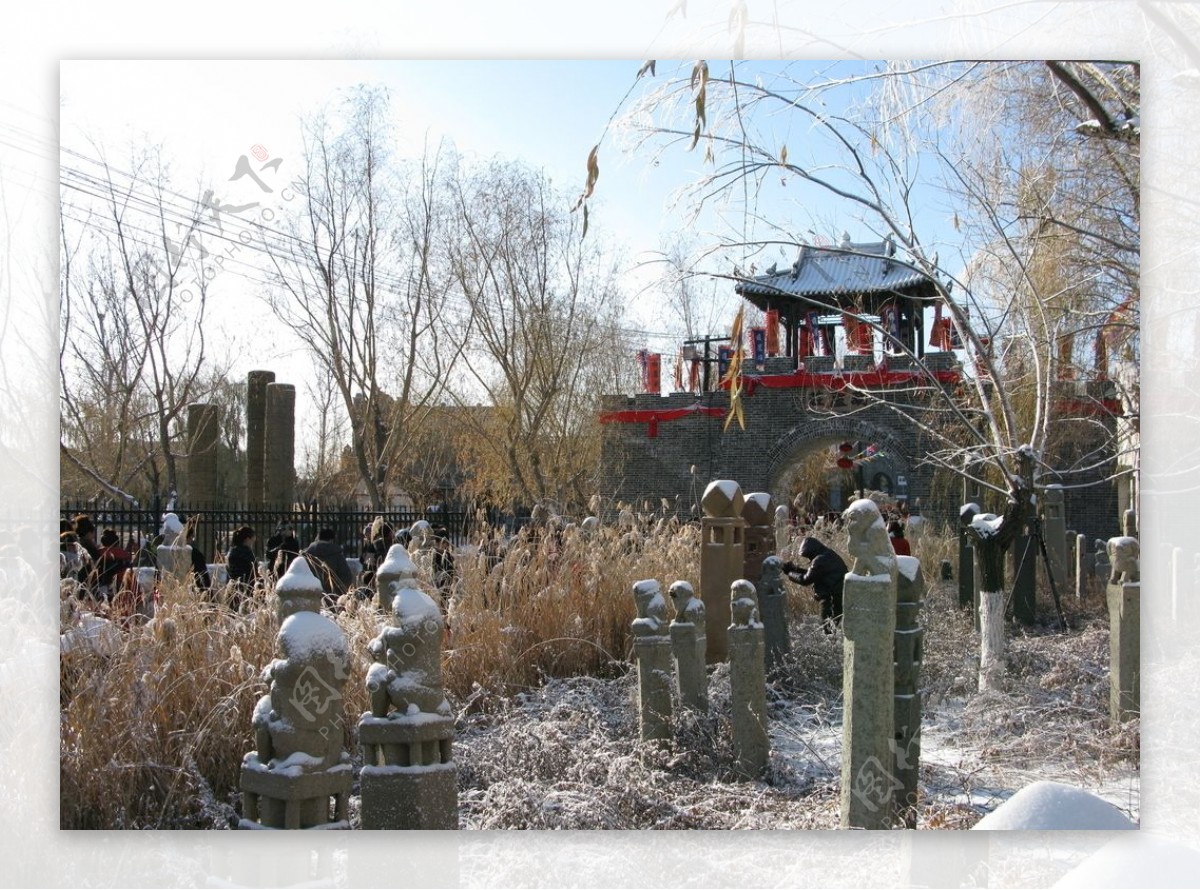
(812, 433)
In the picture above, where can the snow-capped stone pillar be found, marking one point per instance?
(299, 765)
(1124, 628)
(747, 681)
(772, 606)
(759, 534)
(409, 779)
(298, 590)
(722, 559)
(174, 554)
(909, 649)
(652, 649)
(869, 624)
(393, 573)
(687, 644)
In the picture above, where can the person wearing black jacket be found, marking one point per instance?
(825, 573)
(282, 548)
(240, 565)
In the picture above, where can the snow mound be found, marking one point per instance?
(398, 562)
(306, 633)
(909, 566)
(1141, 861)
(412, 605)
(1052, 805)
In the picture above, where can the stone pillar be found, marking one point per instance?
(909, 653)
(1129, 523)
(747, 681)
(1054, 532)
(759, 535)
(868, 719)
(298, 590)
(256, 414)
(174, 554)
(299, 765)
(772, 605)
(968, 593)
(1024, 555)
(783, 531)
(279, 459)
(397, 570)
(1124, 628)
(409, 779)
(652, 649)
(1085, 567)
(722, 559)
(688, 641)
(1101, 568)
(204, 427)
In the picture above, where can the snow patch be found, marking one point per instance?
(909, 566)
(968, 508)
(306, 634)
(398, 562)
(299, 577)
(1053, 805)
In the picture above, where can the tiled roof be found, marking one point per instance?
(848, 269)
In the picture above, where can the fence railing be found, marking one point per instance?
(214, 525)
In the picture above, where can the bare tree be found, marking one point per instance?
(133, 298)
(360, 282)
(545, 306)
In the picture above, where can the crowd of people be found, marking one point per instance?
(102, 569)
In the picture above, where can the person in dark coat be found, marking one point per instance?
(378, 539)
(825, 573)
(329, 564)
(282, 548)
(240, 565)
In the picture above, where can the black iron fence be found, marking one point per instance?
(214, 524)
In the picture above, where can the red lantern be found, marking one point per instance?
(845, 463)
(845, 448)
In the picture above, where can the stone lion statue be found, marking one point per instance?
(651, 609)
(868, 543)
(688, 608)
(1123, 553)
(743, 603)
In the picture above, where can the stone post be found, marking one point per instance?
(759, 536)
(1129, 523)
(256, 414)
(783, 531)
(1054, 532)
(409, 778)
(747, 681)
(299, 764)
(1085, 567)
(1101, 568)
(722, 558)
(298, 590)
(772, 605)
(687, 631)
(1124, 629)
(869, 624)
(279, 460)
(174, 554)
(909, 653)
(397, 570)
(204, 427)
(652, 648)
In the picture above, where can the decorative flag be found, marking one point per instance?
(679, 371)
(723, 356)
(758, 346)
(654, 372)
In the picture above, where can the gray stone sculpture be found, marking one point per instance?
(652, 648)
(722, 558)
(1124, 628)
(397, 570)
(409, 778)
(1123, 553)
(298, 590)
(747, 681)
(772, 604)
(909, 653)
(299, 763)
(688, 644)
(868, 543)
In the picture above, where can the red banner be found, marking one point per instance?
(653, 416)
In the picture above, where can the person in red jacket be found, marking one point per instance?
(899, 542)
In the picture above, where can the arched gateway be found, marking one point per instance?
(854, 369)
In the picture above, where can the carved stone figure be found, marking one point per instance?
(689, 609)
(743, 603)
(1123, 553)
(651, 609)
(868, 543)
(407, 673)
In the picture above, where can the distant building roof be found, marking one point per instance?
(851, 268)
